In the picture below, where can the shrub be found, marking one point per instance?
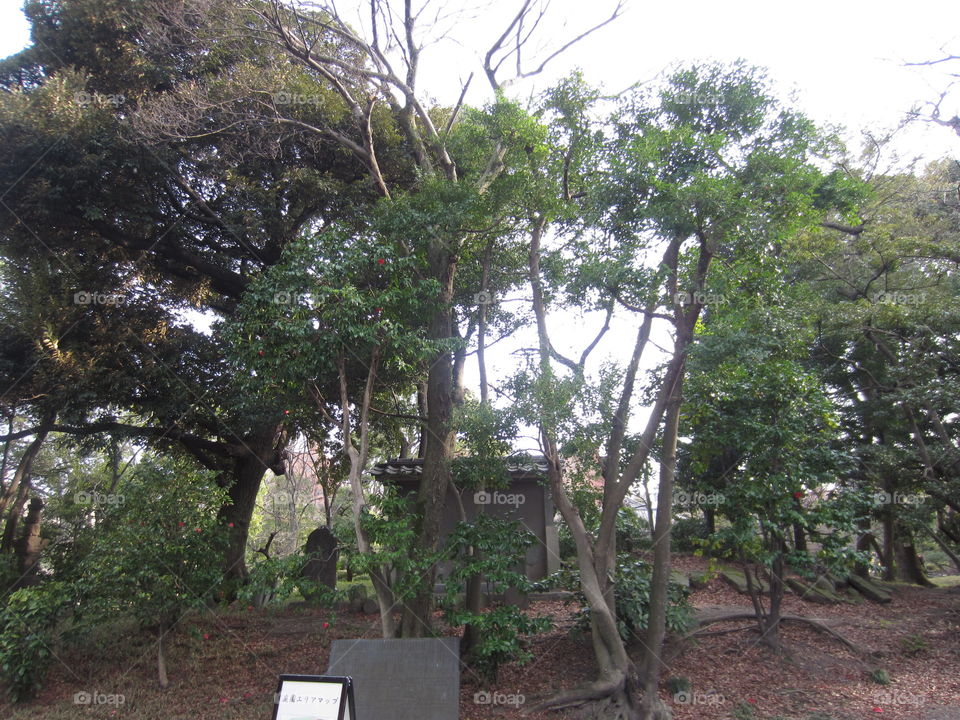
(499, 546)
(632, 594)
(687, 534)
(28, 626)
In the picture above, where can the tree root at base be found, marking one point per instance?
(797, 619)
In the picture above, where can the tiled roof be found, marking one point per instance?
(528, 465)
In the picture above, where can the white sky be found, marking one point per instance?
(841, 60)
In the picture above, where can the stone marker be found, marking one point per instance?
(738, 581)
(416, 679)
(869, 589)
(323, 552)
(812, 593)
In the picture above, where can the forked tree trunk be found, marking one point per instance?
(771, 623)
(22, 473)
(357, 455)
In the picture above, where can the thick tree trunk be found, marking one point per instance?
(262, 451)
(30, 545)
(14, 514)
(909, 567)
(888, 543)
(799, 537)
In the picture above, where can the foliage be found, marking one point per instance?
(688, 533)
(150, 555)
(632, 593)
(28, 626)
(273, 580)
(493, 548)
(389, 521)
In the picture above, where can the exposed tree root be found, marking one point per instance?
(591, 692)
(797, 619)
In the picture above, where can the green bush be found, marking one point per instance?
(28, 627)
(499, 547)
(632, 594)
(273, 580)
(633, 531)
(688, 534)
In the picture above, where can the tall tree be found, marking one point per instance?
(709, 167)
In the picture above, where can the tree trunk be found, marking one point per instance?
(888, 544)
(771, 623)
(30, 545)
(954, 558)
(13, 516)
(799, 537)
(865, 543)
(262, 451)
(161, 659)
(909, 567)
(416, 620)
(26, 463)
(653, 708)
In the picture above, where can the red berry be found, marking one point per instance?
(206, 636)
(326, 625)
(229, 524)
(197, 530)
(381, 261)
(798, 494)
(181, 524)
(260, 353)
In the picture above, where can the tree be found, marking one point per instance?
(754, 406)
(886, 342)
(459, 189)
(711, 166)
(157, 229)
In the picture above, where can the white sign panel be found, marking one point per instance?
(314, 697)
